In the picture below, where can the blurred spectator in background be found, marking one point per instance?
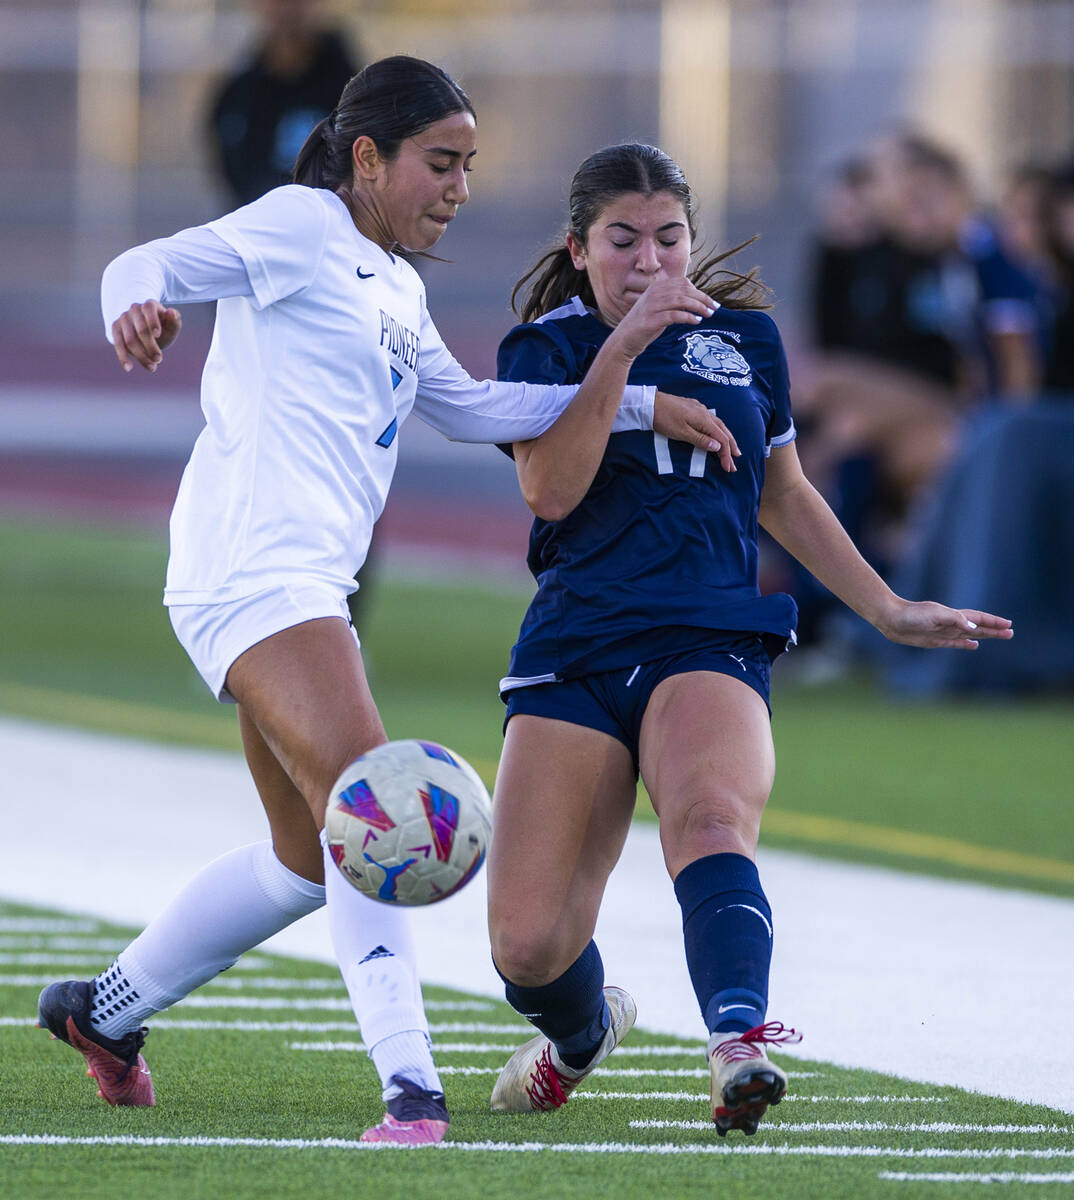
(849, 239)
(261, 114)
(1058, 205)
(919, 311)
(1021, 217)
(1001, 520)
(944, 386)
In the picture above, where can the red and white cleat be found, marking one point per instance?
(535, 1079)
(744, 1082)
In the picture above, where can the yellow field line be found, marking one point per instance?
(837, 831)
(140, 720)
(118, 716)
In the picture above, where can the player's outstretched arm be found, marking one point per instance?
(799, 518)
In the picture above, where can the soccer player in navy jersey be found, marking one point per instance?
(648, 645)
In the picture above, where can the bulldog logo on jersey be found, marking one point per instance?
(709, 356)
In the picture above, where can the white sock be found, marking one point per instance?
(376, 957)
(234, 904)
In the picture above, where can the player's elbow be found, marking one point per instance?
(549, 502)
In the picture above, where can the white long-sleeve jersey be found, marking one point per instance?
(323, 345)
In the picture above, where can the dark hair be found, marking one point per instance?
(602, 178)
(1060, 192)
(389, 101)
(922, 153)
(854, 172)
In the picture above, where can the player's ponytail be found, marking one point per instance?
(390, 101)
(312, 166)
(631, 169)
(555, 280)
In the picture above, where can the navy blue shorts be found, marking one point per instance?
(615, 701)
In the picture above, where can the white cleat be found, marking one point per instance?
(744, 1082)
(536, 1079)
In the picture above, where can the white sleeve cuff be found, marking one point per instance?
(636, 409)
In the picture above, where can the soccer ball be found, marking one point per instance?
(409, 823)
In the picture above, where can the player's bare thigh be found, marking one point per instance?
(564, 799)
(707, 759)
(305, 690)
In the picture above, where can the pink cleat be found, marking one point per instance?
(415, 1117)
(115, 1063)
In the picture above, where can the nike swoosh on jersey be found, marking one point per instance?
(368, 275)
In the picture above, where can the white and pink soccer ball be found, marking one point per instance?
(409, 823)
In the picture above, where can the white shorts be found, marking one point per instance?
(214, 635)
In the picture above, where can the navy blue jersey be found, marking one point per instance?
(663, 548)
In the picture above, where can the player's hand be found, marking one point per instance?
(934, 626)
(684, 420)
(144, 332)
(666, 301)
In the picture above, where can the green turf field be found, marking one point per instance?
(266, 1098)
(964, 789)
(262, 1091)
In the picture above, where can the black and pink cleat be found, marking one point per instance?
(115, 1063)
(416, 1117)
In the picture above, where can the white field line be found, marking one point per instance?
(685, 1097)
(47, 925)
(324, 1004)
(112, 945)
(665, 1148)
(267, 1004)
(35, 959)
(867, 1127)
(291, 1026)
(968, 1177)
(509, 1048)
(605, 1072)
(278, 983)
(255, 982)
(475, 1027)
(694, 1096)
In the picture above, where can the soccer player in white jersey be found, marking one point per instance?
(322, 347)
(647, 646)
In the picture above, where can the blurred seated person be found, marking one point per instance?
(260, 115)
(918, 312)
(1008, 534)
(933, 290)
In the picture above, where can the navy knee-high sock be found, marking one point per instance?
(570, 1011)
(727, 928)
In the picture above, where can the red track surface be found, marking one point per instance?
(121, 491)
